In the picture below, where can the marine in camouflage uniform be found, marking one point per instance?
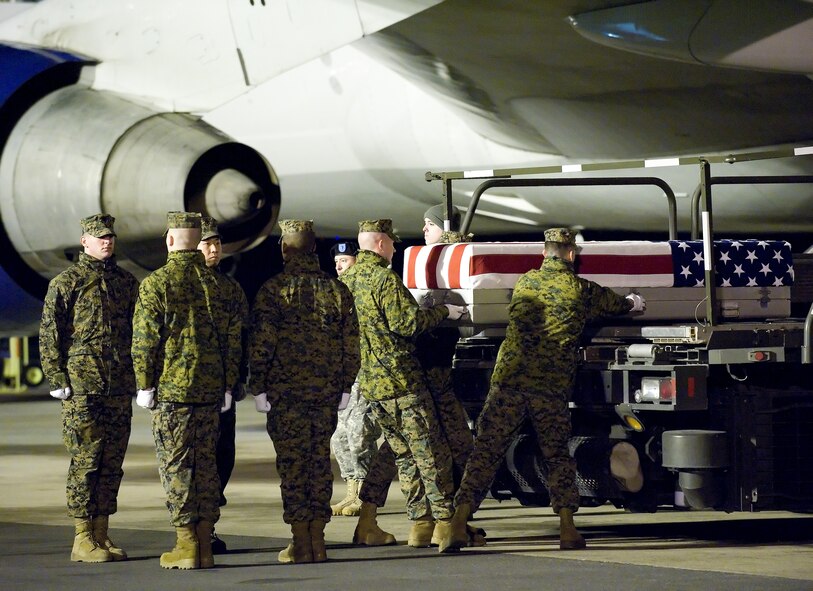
(186, 346)
(392, 379)
(304, 353)
(534, 376)
(435, 349)
(85, 339)
(225, 452)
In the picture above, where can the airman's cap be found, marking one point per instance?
(183, 220)
(295, 226)
(208, 228)
(560, 235)
(384, 226)
(99, 225)
(452, 237)
(344, 248)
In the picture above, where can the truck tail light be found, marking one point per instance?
(656, 390)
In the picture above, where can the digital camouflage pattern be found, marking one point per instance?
(301, 436)
(390, 319)
(421, 454)
(186, 332)
(98, 225)
(533, 376)
(95, 431)
(384, 226)
(304, 353)
(392, 378)
(453, 237)
(295, 226)
(85, 338)
(303, 336)
(355, 440)
(185, 436)
(86, 330)
(234, 293)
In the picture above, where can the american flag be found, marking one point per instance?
(738, 263)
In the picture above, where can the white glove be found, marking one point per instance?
(261, 403)
(456, 312)
(345, 400)
(146, 398)
(227, 401)
(638, 302)
(62, 393)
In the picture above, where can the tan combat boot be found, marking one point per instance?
(420, 536)
(367, 531)
(100, 524)
(443, 531)
(458, 533)
(569, 537)
(203, 530)
(353, 508)
(317, 531)
(185, 554)
(300, 550)
(352, 495)
(85, 548)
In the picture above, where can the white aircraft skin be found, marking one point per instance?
(351, 102)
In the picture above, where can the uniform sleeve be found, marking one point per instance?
(263, 338)
(235, 338)
(351, 354)
(147, 321)
(53, 336)
(404, 315)
(603, 301)
(243, 310)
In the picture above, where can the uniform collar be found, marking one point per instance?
(371, 258)
(556, 264)
(302, 262)
(189, 256)
(94, 263)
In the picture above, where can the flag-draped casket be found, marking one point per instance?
(753, 277)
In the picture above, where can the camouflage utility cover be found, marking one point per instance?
(98, 225)
(383, 226)
(548, 311)
(186, 332)
(86, 330)
(389, 319)
(303, 336)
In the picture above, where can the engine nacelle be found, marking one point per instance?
(73, 151)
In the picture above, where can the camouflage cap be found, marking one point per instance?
(560, 235)
(183, 220)
(208, 227)
(383, 225)
(98, 225)
(295, 226)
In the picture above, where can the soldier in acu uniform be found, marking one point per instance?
(304, 352)
(85, 339)
(533, 377)
(186, 353)
(212, 250)
(392, 379)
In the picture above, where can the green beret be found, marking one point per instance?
(208, 227)
(98, 225)
(183, 219)
(560, 235)
(383, 226)
(295, 226)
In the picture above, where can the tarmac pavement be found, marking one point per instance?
(669, 550)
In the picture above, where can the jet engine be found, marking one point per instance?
(69, 151)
